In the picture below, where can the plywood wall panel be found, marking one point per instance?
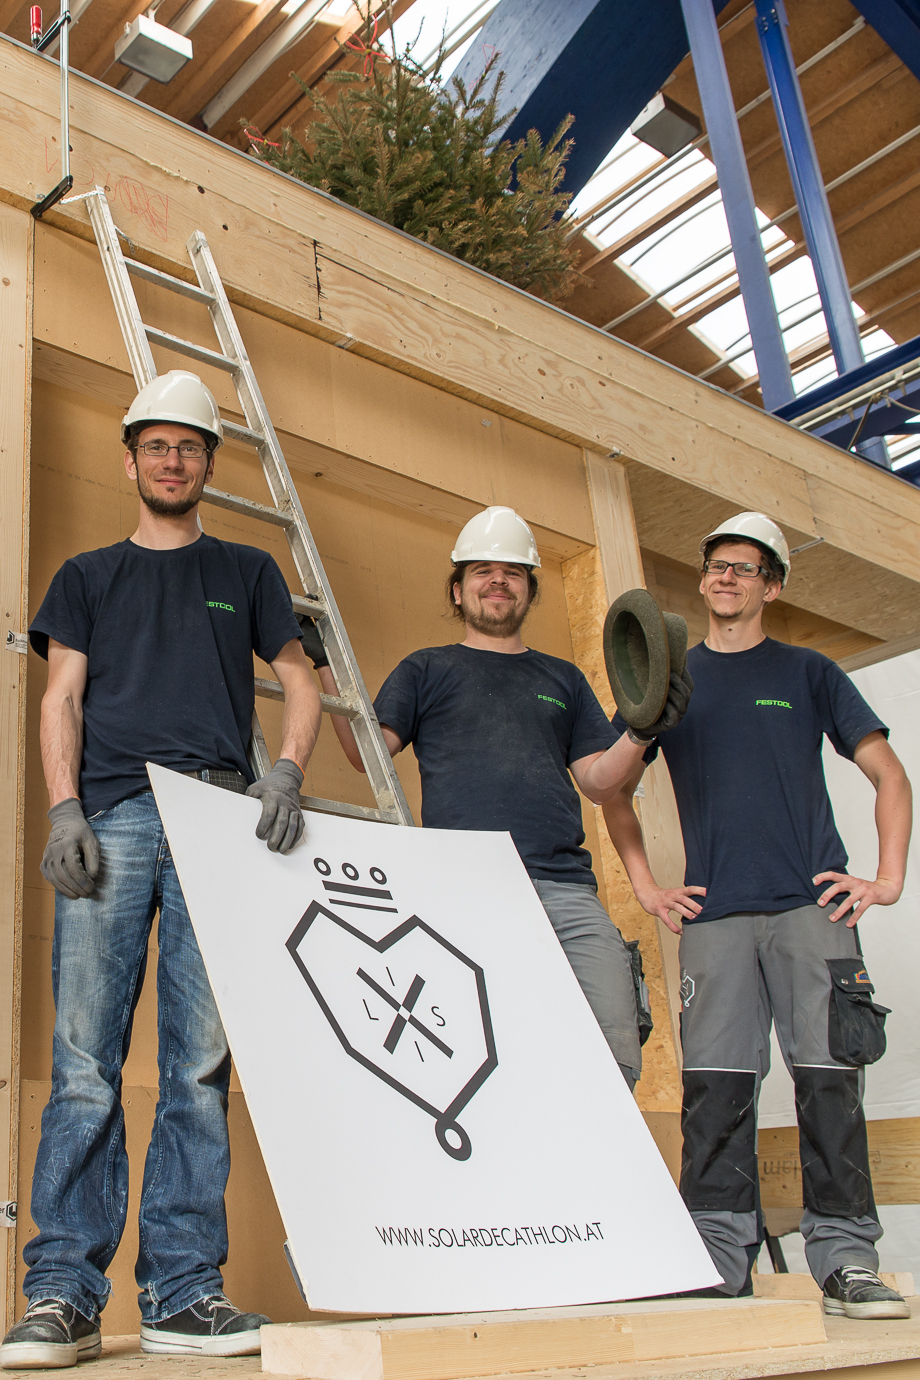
(387, 565)
(329, 396)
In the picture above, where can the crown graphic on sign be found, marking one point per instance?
(410, 1007)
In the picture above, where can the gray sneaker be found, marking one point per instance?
(854, 1291)
(50, 1333)
(211, 1327)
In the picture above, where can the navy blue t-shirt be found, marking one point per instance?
(169, 637)
(494, 735)
(748, 775)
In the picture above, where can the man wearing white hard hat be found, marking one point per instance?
(497, 729)
(769, 917)
(149, 646)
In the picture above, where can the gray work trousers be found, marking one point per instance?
(600, 960)
(740, 974)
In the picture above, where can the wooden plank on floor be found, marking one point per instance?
(449, 1348)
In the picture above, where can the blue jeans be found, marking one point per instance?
(80, 1188)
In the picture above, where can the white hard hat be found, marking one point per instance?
(497, 534)
(755, 527)
(178, 396)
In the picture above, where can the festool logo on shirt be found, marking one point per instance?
(549, 699)
(216, 604)
(777, 704)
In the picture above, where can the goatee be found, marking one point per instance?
(505, 625)
(169, 507)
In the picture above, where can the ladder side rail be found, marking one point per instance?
(375, 755)
(126, 309)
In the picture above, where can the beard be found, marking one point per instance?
(494, 624)
(170, 507)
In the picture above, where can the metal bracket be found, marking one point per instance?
(17, 642)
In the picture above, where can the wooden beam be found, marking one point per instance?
(104, 56)
(649, 227)
(16, 239)
(289, 93)
(425, 314)
(9, 9)
(592, 581)
(192, 95)
(451, 1347)
(894, 1158)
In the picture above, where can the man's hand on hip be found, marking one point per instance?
(860, 894)
(281, 824)
(71, 858)
(661, 900)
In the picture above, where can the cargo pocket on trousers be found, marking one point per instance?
(643, 1004)
(855, 1023)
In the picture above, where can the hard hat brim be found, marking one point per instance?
(127, 428)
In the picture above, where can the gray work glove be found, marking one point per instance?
(680, 689)
(71, 858)
(312, 642)
(281, 824)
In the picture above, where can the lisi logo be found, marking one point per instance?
(777, 704)
(549, 699)
(410, 1007)
(215, 604)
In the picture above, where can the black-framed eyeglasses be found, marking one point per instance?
(187, 450)
(743, 569)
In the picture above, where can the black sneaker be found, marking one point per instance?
(50, 1333)
(855, 1292)
(210, 1327)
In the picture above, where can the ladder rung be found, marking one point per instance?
(304, 604)
(246, 506)
(186, 347)
(242, 433)
(272, 690)
(166, 280)
(340, 807)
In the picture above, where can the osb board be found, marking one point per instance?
(659, 1088)
(894, 1158)
(428, 316)
(387, 566)
(841, 1358)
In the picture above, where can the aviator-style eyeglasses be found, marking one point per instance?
(743, 569)
(188, 450)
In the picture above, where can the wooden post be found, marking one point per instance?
(16, 241)
(593, 580)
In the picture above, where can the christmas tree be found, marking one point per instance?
(425, 156)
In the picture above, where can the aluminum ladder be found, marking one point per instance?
(285, 511)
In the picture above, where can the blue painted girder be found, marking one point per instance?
(886, 418)
(898, 23)
(599, 60)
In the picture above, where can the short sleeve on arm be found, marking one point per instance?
(397, 702)
(273, 621)
(65, 613)
(848, 718)
(591, 731)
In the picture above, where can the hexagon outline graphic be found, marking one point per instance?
(445, 1118)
